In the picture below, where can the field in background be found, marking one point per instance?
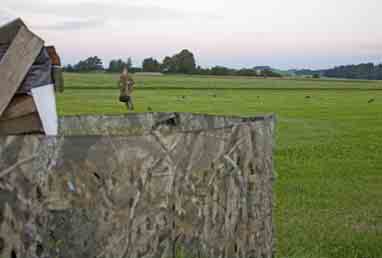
(328, 153)
(210, 82)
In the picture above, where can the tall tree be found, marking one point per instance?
(116, 66)
(150, 65)
(184, 62)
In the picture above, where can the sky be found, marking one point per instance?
(284, 34)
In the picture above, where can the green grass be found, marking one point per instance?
(328, 154)
(175, 81)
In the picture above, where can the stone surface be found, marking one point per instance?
(148, 185)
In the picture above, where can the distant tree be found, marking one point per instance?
(247, 72)
(168, 65)
(367, 71)
(200, 70)
(305, 72)
(151, 65)
(270, 73)
(185, 62)
(90, 64)
(116, 66)
(316, 76)
(129, 63)
(221, 70)
(68, 68)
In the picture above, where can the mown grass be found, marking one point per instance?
(194, 81)
(328, 153)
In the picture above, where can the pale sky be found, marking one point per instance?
(242, 33)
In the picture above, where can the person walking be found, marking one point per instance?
(126, 86)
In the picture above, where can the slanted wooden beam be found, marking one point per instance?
(19, 106)
(16, 63)
(9, 31)
(22, 125)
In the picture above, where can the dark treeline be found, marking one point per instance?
(180, 63)
(367, 71)
(184, 63)
(90, 64)
(307, 72)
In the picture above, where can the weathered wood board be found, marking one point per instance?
(21, 125)
(20, 106)
(15, 64)
(9, 31)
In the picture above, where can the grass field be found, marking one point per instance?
(328, 156)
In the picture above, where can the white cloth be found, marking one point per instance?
(45, 101)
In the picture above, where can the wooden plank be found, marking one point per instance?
(16, 63)
(19, 106)
(22, 125)
(9, 31)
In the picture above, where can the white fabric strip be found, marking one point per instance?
(45, 101)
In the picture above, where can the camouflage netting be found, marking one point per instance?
(180, 186)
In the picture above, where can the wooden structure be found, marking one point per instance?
(19, 51)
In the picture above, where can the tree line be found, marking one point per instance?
(181, 63)
(367, 71)
(184, 63)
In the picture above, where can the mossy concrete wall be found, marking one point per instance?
(146, 185)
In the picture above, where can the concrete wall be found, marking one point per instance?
(177, 185)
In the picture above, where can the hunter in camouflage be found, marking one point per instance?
(126, 86)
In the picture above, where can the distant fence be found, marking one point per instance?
(144, 185)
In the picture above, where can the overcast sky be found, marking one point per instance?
(281, 33)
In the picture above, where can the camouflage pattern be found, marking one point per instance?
(139, 123)
(171, 189)
(126, 84)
